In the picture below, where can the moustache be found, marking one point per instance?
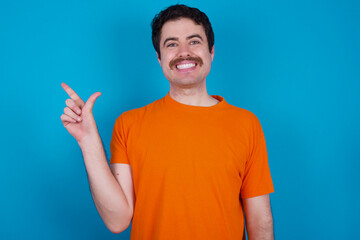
(175, 61)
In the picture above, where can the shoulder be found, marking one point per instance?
(136, 114)
(245, 121)
(242, 114)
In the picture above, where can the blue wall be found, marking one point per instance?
(296, 65)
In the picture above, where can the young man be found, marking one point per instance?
(186, 165)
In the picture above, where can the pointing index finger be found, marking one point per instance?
(70, 92)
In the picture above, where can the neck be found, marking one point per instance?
(195, 96)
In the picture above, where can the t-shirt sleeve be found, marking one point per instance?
(257, 178)
(118, 143)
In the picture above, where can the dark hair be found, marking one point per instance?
(180, 11)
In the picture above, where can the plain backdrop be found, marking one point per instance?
(295, 64)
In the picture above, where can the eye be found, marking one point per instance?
(194, 42)
(171, 45)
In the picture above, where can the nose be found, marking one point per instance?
(183, 51)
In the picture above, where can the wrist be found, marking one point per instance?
(89, 140)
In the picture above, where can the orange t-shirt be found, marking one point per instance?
(191, 165)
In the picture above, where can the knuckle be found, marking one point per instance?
(68, 102)
(67, 111)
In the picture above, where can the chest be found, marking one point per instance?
(172, 145)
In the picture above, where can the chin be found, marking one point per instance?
(185, 82)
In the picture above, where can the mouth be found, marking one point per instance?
(185, 64)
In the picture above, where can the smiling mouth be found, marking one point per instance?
(185, 63)
(185, 66)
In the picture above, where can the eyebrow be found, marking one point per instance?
(170, 39)
(177, 39)
(194, 36)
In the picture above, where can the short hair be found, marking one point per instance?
(175, 12)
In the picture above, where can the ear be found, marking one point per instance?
(158, 58)
(212, 53)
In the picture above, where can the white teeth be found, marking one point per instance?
(186, 65)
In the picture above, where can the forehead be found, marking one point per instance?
(182, 27)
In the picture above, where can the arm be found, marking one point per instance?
(112, 196)
(258, 217)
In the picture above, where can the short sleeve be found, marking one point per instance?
(118, 143)
(257, 178)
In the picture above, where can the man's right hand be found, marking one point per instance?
(113, 196)
(78, 118)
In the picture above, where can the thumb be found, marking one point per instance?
(90, 102)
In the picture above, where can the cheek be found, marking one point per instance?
(205, 56)
(163, 60)
(164, 63)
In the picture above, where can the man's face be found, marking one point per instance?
(185, 57)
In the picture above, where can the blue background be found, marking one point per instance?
(295, 64)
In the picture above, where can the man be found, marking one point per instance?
(186, 165)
